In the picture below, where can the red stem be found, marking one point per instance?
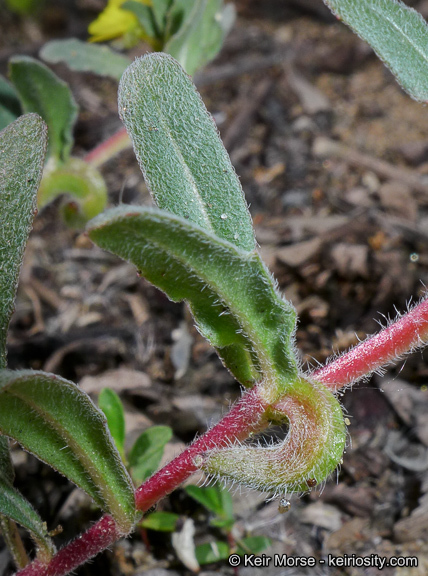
(404, 335)
(108, 149)
(101, 535)
(246, 416)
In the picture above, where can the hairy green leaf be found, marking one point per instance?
(201, 36)
(57, 422)
(41, 91)
(14, 506)
(85, 57)
(179, 149)
(398, 34)
(161, 521)
(22, 152)
(111, 405)
(229, 290)
(309, 452)
(146, 454)
(10, 107)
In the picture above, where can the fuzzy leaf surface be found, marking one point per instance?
(22, 153)
(85, 57)
(57, 422)
(41, 91)
(14, 506)
(229, 290)
(180, 151)
(311, 449)
(398, 34)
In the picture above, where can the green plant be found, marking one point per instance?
(200, 247)
(192, 31)
(143, 460)
(26, 140)
(197, 246)
(146, 453)
(217, 500)
(218, 503)
(37, 89)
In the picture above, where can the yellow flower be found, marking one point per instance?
(113, 21)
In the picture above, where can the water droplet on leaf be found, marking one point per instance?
(284, 506)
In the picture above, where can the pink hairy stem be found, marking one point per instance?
(246, 416)
(99, 536)
(108, 149)
(407, 333)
